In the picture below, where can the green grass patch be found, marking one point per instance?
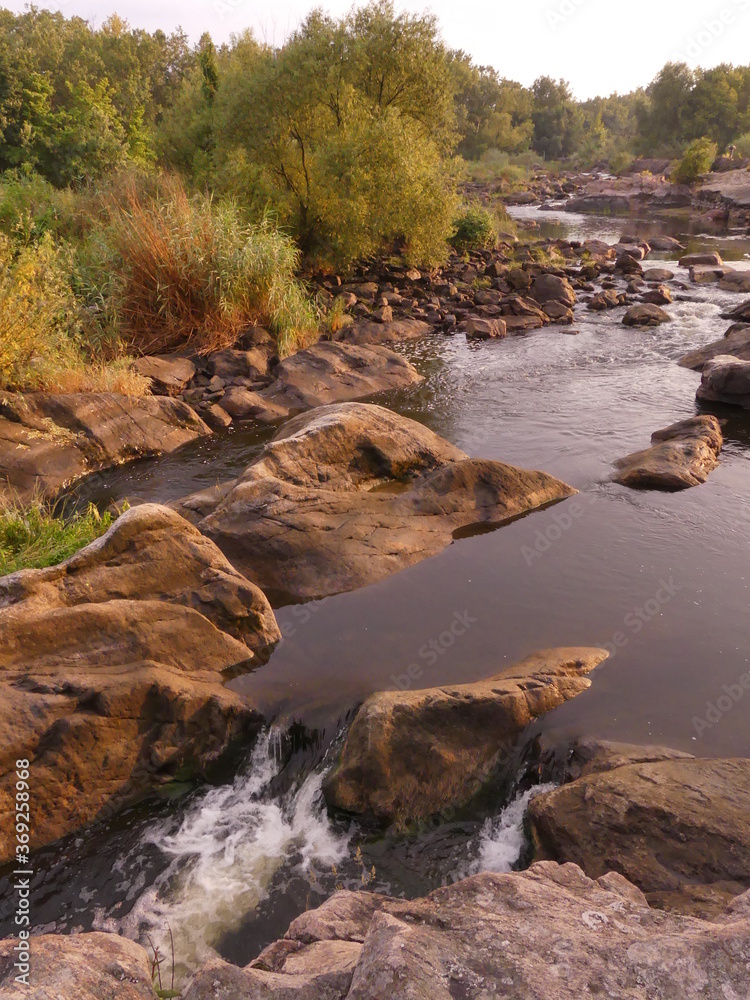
(33, 536)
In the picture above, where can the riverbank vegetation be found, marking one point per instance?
(34, 535)
(156, 195)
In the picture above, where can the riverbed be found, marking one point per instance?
(661, 578)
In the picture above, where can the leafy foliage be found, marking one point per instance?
(35, 535)
(695, 161)
(474, 229)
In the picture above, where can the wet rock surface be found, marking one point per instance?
(681, 455)
(735, 343)
(348, 494)
(48, 441)
(111, 670)
(410, 755)
(726, 379)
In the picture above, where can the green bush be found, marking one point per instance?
(621, 162)
(697, 160)
(175, 271)
(474, 229)
(34, 536)
(743, 146)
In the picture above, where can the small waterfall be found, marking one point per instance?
(230, 843)
(501, 839)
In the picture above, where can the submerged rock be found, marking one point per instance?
(347, 494)
(678, 829)
(321, 374)
(680, 456)
(410, 755)
(549, 932)
(734, 343)
(48, 441)
(645, 315)
(111, 670)
(726, 379)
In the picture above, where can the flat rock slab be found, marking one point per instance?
(680, 456)
(726, 379)
(678, 829)
(369, 332)
(48, 441)
(347, 494)
(710, 259)
(734, 343)
(111, 670)
(410, 755)
(549, 933)
(645, 315)
(322, 374)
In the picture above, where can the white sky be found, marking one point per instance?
(600, 46)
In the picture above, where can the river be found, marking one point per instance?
(227, 868)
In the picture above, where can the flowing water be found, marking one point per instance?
(661, 578)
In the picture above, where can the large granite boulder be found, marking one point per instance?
(726, 379)
(111, 670)
(321, 374)
(547, 288)
(77, 967)
(410, 755)
(47, 441)
(680, 456)
(549, 933)
(678, 829)
(646, 314)
(735, 343)
(348, 494)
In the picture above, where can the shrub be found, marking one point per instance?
(176, 271)
(474, 229)
(41, 341)
(697, 159)
(621, 162)
(33, 536)
(743, 146)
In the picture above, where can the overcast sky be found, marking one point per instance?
(600, 46)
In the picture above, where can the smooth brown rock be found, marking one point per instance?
(645, 315)
(680, 456)
(552, 288)
(477, 328)
(710, 259)
(347, 494)
(231, 363)
(48, 441)
(736, 281)
(741, 313)
(369, 332)
(608, 299)
(726, 379)
(169, 374)
(734, 343)
(111, 669)
(678, 829)
(658, 296)
(321, 374)
(658, 275)
(78, 967)
(410, 755)
(549, 933)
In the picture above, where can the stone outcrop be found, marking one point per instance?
(111, 670)
(47, 441)
(726, 379)
(709, 259)
(645, 315)
(736, 281)
(678, 829)
(410, 755)
(369, 332)
(348, 494)
(321, 374)
(734, 343)
(680, 456)
(78, 967)
(549, 932)
(169, 374)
